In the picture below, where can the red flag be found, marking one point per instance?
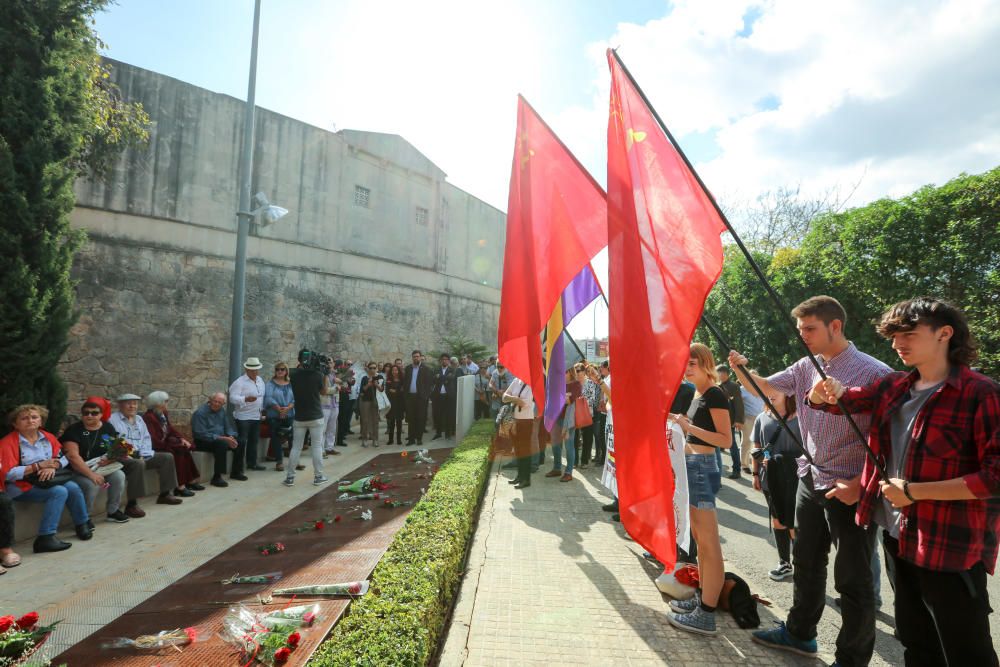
(664, 256)
(556, 223)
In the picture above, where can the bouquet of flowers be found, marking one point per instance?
(163, 639)
(363, 485)
(268, 578)
(270, 548)
(423, 456)
(21, 637)
(352, 588)
(258, 642)
(118, 448)
(293, 617)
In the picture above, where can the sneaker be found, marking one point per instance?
(321, 479)
(289, 481)
(686, 606)
(118, 517)
(780, 638)
(698, 621)
(782, 572)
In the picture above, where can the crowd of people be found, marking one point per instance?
(920, 474)
(298, 408)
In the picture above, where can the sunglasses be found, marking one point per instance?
(280, 369)
(91, 413)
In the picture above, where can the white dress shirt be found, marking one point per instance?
(519, 389)
(135, 432)
(240, 390)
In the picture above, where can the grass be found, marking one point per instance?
(401, 619)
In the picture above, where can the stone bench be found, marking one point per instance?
(28, 515)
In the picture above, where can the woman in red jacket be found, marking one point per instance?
(167, 439)
(31, 457)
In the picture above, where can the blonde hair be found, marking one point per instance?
(27, 407)
(705, 360)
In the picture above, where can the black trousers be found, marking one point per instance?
(450, 414)
(480, 410)
(6, 521)
(248, 435)
(585, 436)
(942, 617)
(600, 447)
(439, 407)
(218, 449)
(416, 417)
(522, 447)
(344, 418)
(821, 523)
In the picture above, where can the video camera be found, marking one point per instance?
(316, 361)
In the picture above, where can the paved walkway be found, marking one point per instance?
(95, 582)
(553, 581)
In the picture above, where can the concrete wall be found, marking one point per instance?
(375, 281)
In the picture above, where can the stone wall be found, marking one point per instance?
(421, 260)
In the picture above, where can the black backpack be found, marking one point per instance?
(741, 603)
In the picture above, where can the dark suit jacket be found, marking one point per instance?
(448, 380)
(425, 381)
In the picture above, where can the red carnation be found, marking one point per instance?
(293, 639)
(354, 589)
(6, 622)
(336, 518)
(281, 655)
(308, 618)
(28, 621)
(376, 496)
(319, 525)
(192, 634)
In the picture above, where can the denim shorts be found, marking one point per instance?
(701, 469)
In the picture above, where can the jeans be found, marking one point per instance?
(55, 498)
(218, 448)
(942, 617)
(6, 521)
(715, 478)
(332, 416)
(315, 429)
(820, 523)
(566, 442)
(281, 434)
(115, 490)
(248, 435)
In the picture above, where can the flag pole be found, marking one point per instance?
(753, 265)
(760, 392)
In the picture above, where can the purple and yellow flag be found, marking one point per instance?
(574, 298)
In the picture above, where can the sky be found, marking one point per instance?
(866, 98)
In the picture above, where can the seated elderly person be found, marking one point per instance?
(85, 444)
(35, 472)
(7, 556)
(132, 427)
(214, 432)
(167, 439)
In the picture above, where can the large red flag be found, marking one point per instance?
(556, 223)
(664, 255)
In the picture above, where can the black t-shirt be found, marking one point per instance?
(307, 386)
(91, 443)
(699, 413)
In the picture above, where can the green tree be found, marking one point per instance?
(460, 344)
(60, 117)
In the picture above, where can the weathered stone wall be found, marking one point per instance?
(419, 260)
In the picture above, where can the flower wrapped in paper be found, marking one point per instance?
(256, 641)
(351, 588)
(164, 639)
(266, 578)
(303, 615)
(363, 485)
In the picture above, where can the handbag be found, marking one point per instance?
(61, 476)
(383, 402)
(506, 423)
(582, 414)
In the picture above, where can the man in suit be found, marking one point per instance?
(417, 381)
(442, 395)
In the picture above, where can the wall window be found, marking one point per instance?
(362, 196)
(423, 215)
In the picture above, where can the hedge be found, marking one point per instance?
(402, 618)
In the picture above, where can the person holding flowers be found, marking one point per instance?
(86, 440)
(30, 459)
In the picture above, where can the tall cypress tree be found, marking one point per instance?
(59, 118)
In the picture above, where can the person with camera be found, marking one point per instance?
(33, 467)
(371, 383)
(309, 385)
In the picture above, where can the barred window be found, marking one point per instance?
(423, 215)
(362, 196)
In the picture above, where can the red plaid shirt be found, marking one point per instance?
(955, 434)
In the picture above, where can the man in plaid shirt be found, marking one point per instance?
(828, 492)
(937, 431)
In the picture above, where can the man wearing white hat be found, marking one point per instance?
(247, 396)
(133, 428)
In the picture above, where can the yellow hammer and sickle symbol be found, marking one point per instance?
(633, 137)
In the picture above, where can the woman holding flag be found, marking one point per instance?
(706, 426)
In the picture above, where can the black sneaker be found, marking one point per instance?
(218, 481)
(241, 478)
(118, 517)
(610, 507)
(782, 572)
(90, 524)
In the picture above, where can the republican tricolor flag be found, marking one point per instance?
(664, 256)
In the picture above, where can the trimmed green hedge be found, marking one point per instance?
(401, 619)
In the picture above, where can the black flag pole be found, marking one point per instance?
(753, 265)
(760, 392)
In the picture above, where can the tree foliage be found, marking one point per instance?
(939, 241)
(59, 117)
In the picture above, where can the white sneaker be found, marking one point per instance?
(782, 572)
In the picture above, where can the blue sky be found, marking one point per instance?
(866, 98)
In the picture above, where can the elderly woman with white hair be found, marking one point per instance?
(167, 439)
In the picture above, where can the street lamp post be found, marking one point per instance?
(243, 214)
